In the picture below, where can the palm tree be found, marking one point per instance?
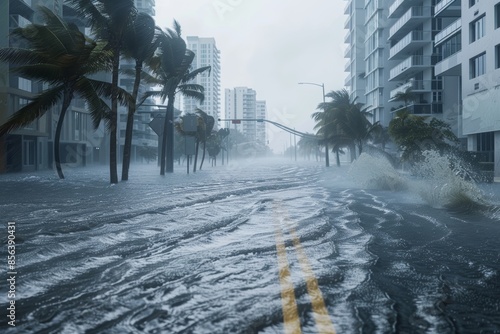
(140, 45)
(407, 96)
(344, 122)
(209, 122)
(110, 21)
(173, 72)
(58, 54)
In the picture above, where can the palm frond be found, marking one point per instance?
(193, 74)
(33, 110)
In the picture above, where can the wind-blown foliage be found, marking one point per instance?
(57, 53)
(110, 21)
(343, 123)
(173, 73)
(140, 45)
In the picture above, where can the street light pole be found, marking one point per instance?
(327, 158)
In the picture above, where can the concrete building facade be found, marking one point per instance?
(241, 103)
(207, 54)
(470, 47)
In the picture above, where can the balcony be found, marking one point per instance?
(447, 8)
(20, 7)
(409, 21)
(409, 67)
(347, 52)
(397, 8)
(416, 86)
(449, 31)
(421, 108)
(347, 38)
(347, 8)
(451, 65)
(411, 42)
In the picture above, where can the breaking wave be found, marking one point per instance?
(438, 180)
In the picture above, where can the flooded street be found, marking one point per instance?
(254, 247)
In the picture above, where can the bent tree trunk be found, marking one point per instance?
(196, 155)
(130, 123)
(113, 172)
(203, 156)
(164, 150)
(57, 149)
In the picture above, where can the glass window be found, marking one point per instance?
(478, 65)
(497, 15)
(477, 29)
(497, 56)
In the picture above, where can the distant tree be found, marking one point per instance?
(407, 96)
(149, 153)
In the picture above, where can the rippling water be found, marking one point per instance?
(197, 253)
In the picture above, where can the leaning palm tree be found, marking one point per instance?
(209, 122)
(140, 45)
(173, 73)
(59, 54)
(110, 21)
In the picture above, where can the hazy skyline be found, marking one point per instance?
(270, 47)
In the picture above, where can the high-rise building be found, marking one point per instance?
(207, 54)
(469, 48)
(261, 113)
(355, 52)
(445, 53)
(240, 104)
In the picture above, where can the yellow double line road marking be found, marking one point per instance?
(291, 319)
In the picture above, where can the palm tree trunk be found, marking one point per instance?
(352, 149)
(327, 157)
(113, 172)
(130, 123)
(196, 155)
(203, 156)
(170, 104)
(57, 139)
(169, 127)
(338, 158)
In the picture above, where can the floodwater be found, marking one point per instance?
(355, 249)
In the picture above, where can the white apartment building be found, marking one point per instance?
(470, 47)
(207, 54)
(355, 51)
(261, 112)
(240, 104)
(399, 53)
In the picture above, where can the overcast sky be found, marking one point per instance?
(270, 46)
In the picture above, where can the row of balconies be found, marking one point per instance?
(412, 18)
(409, 43)
(417, 86)
(410, 66)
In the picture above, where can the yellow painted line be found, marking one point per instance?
(323, 322)
(289, 304)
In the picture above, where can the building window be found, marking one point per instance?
(497, 56)
(472, 2)
(478, 65)
(477, 29)
(497, 15)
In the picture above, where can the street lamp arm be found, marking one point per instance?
(311, 83)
